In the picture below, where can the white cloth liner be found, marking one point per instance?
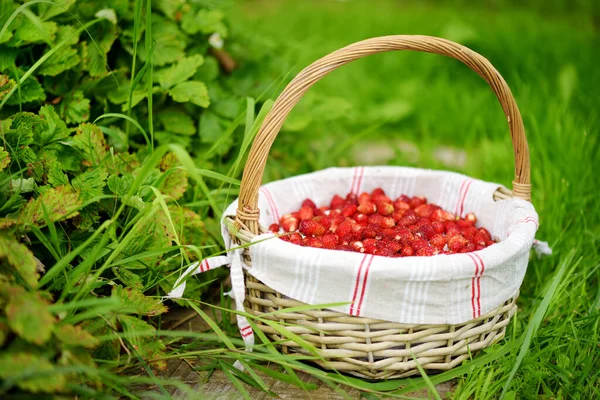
(443, 289)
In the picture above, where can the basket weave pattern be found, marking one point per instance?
(367, 347)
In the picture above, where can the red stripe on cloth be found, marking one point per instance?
(460, 194)
(526, 220)
(272, 204)
(356, 284)
(246, 334)
(245, 328)
(362, 294)
(204, 265)
(474, 289)
(462, 203)
(354, 179)
(359, 182)
(479, 283)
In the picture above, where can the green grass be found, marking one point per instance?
(547, 55)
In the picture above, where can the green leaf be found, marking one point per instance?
(55, 8)
(28, 32)
(170, 42)
(192, 91)
(90, 141)
(175, 184)
(75, 336)
(51, 128)
(204, 21)
(31, 372)
(28, 315)
(104, 35)
(211, 127)
(6, 84)
(179, 72)
(120, 184)
(56, 177)
(75, 108)
(176, 121)
(135, 302)
(65, 57)
(30, 91)
(4, 159)
(21, 185)
(141, 337)
(59, 203)
(19, 258)
(90, 184)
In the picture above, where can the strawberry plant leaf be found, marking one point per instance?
(90, 141)
(27, 32)
(104, 34)
(57, 7)
(28, 315)
(31, 372)
(192, 91)
(56, 176)
(90, 184)
(170, 42)
(141, 337)
(66, 57)
(59, 203)
(75, 336)
(6, 84)
(4, 159)
(204, 21)
(14, 255)
(175, 184)
(135, 302)
(75, 108)
(51, 128)
(31, 90)
(177, 121)
(179, 72)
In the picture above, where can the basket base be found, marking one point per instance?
(375, 349)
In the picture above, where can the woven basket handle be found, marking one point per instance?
(247, 213)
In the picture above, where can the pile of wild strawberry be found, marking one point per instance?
(375, 224)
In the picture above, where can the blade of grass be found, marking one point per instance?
(538, 317)
(129, 119)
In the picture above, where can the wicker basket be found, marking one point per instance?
(366, 347)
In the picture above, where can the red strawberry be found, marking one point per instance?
(306, 213)
(367, 208)
(404, 236)
(329, 241)
(377, 192)
(336, 202)
(416, 201)
(364, 198)
(357, 246)
(335, 222)
(309, 203)
(344, 247)
(351, 198)
(274, 228)
(471, 218)
(407, 251)
(425, 210)
(457, 243)
(393, 246)
(487, 235)
(397, 215)
(400, 205)
(349, 210)
(425, 251)
(438, 241)
(438, 227)
(440, 215)
(385, 208)
(469, 232)
(362, 219)
(408, 219)
(345, 228)
(289, 224)
(388, 222)
(470, 247)
(312, 228)
(376, 219)
(370, 246)
(384, 252)
(368, 232)
(426, 231)
(313, 242)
